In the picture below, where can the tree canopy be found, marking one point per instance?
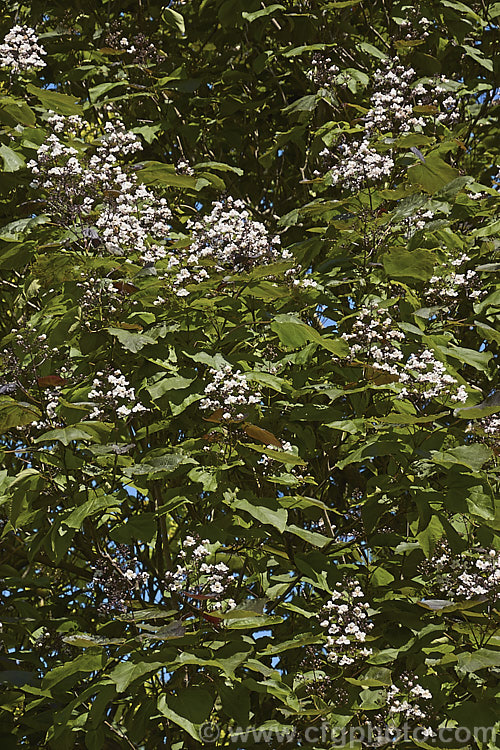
(249, 375)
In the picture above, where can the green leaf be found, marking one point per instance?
(311, 537)
(175, 19)
(474, 714)
(489, 230)
(165, 385)
(430, 536)
(483, 658)
(283, 456)
(433, 175)
(299, 641)
(265, 290)
(270, 10)
(490, 405)
(12, 161)
(409, 264)
(157, 173)
(267, 380)
(86, 640)
(53, 100)
(127, 672)
(192, 729)
(194, 703)
(167, 462)
(477, 360)
(397, 418)
(141, 528)
(373, 677)
(481, 504)
(269, 516)
(472, 456)
(250, 607)
(15, 111)
(16, 414)
(294, 333)
(89, 662)
(103, 88)
(15, 231)
(64, 435)
(219, 166)
(304, 104)
(17, 677)
(371, 49)
(134, 342)
(235, 702)
(75, 519)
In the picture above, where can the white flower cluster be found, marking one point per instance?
(271, 466)
(359, 164)
(114, 395)
(407, 702)
(268, 463)
(465, 577)
(183, 167)
(374, 335)
(230, 394)
(426, 377)
(140, 48)
(117, 579)
(126, 45)
(396, 94)
(415, 222)
(51, 397)
(227, 238)
(20, 50)
(136, 216)
(100, 299)
(420, 218)
(132, 576)
(80, 181)
(70, 176)
(489, 426)
(346, 622)
(200, 578)
(324, 72)
(417, 26)
(451, 284)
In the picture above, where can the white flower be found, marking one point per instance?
(230, 392)
(227, 239)
(20, 50)
(115, 395)
(395, 95)
(424, 376)
(360, 164)
(345, 620)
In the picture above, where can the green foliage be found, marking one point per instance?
(127, 478)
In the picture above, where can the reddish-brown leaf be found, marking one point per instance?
(48, 381)
(212, 437)
(211, 618)
(129, 326)
(379, 377)
(263, 436)
(215, 417)
(125, 287)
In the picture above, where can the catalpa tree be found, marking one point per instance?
(248, 394)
